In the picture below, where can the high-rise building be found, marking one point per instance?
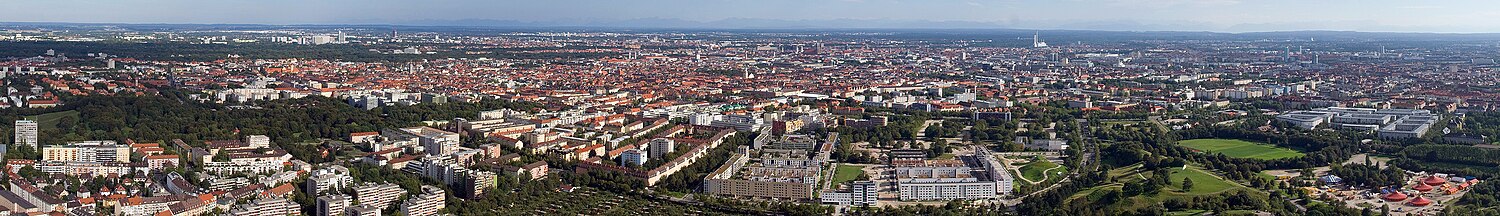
(364, 210)
(258, 141)
(332, 205)
(328, 179)
(633, 157)
(378, 195)
(659, 147)
(88, 151)
(268, 206)
(428, 203)
(435, 141)
(475, 183)
(323, 39)
(26, 133)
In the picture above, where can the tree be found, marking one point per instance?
(1187, 184)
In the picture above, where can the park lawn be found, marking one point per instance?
(48, 121)
(1034, 170)
(1203, 182)
(1241, 149)
(845, 173)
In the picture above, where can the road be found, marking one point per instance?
(1088, 157)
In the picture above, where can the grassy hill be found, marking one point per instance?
(49, 121)
(1205, 183)
(1037, 170)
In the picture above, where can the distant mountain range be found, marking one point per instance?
(1117, 30)
(732, 23)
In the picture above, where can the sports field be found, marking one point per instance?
(1240, 148)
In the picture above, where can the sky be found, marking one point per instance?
(1446, 16)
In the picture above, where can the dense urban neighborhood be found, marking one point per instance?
(401, 120)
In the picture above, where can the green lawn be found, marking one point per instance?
(846, 173)
(48, 121)
(1034, 170)
(1203, 182)
(1241, 148)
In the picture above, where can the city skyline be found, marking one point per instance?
(1113, 15)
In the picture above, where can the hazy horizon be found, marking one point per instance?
(1463, 16)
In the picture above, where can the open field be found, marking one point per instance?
(846, 173)
(1240, 149)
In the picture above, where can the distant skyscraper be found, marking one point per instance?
(1036, 41)
(26, 133)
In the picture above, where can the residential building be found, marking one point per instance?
(26, 133)
(329, 179)
(659, 147)
(332, 205)
(268, 206)
(859, 193)
(87, 151)
(434, 141)
(378, 195)
(429, 202)
(635, 157)
(738, 178)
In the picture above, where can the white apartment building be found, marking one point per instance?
(26, 132)
(332, 205)
(428, 203)
(88, 151)
(378, 195)
(659, 147)
(329, 179)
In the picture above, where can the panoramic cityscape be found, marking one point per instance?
(688, 108)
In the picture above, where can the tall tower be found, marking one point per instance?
(1036, 41)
